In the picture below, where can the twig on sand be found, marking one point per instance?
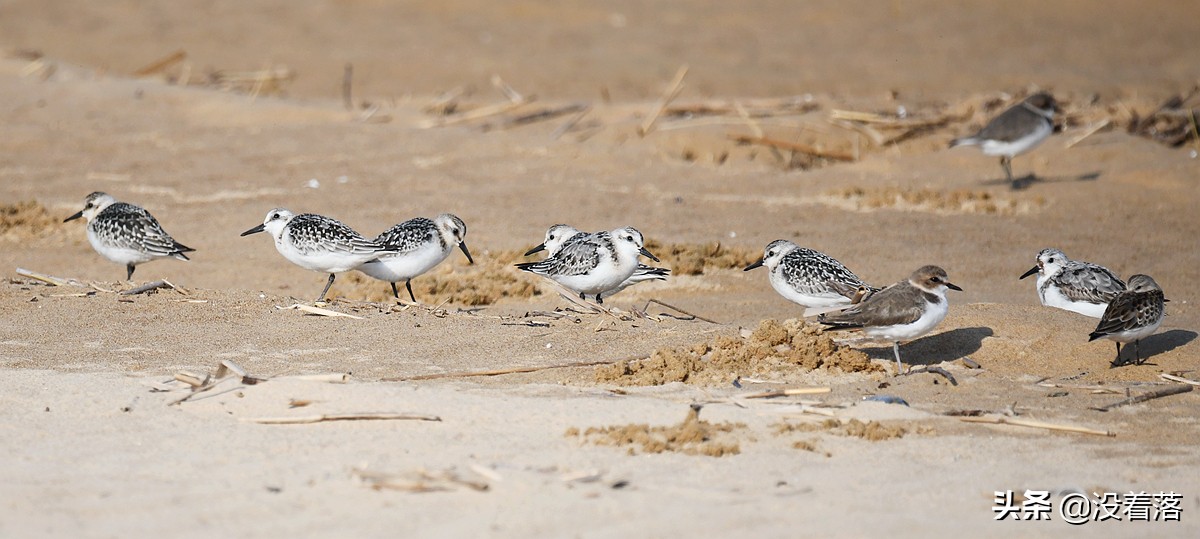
(793, 146)
(681, 311)
(1002, 420)
(153, 285)
(934, 370)
(49, 279)
(161, 64)
(1092, 388)
(317, 311)
(358, 416)
(513, 370)
(672, 91)
(475, 114)
(1164, 392)
(770, 394)
(1180, 379)
(571, 122)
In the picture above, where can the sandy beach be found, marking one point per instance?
(497, 407)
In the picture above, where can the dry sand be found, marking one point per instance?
(94, 448)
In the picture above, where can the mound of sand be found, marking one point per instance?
(483, 283)
(694, 259)
(28, 219)
(690, 437)
(872, 431)
(958, 201)
(773, 350)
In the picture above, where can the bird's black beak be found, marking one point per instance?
(1031, 271)
(541, 247)
(648, 255)
(463, 245)
(255, 230)
(953, 286)
(77, 215)
(754, 265)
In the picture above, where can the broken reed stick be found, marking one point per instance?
(1092, 388)
(793, 146)
(672, 91)
(361, 416)
(317, 311)
(513, 370)
(475, 114)
(49, 279)
(1165, 392)
(511, 93)
(161, 64)
(681, 311)
(153, 285)
(1001, 420)
(1089, 132)
(547, 113)
(787, 392)
(1180, 379)
(505, 371)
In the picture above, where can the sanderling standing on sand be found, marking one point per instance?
(559, 235)
(1015, 131)
(810, 278)
(318, 243)
(1074, 285)
(126, 234)
(420, 244)
(901, 312)
(594, 265)
(1132, 316)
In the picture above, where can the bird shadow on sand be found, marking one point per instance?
(934, 349)
(1154, 345)
(1024, 182)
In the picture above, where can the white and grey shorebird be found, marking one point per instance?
(125, 233)
(594, 265)
(318, 243)
(1132, 316)
(420, 244)
(1015, 131)
(1074, 285)
(901, 312)
(810, 278)
(559, 235)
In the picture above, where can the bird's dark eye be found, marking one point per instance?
(274, 216)
(89, 205)
(1050, 261)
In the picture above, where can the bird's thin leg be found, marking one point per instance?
(327, 285)
(1137, 352)
(1006, 162)
(599, 299)
(129, 272)
(1117, 361)
(395, 293)
(408, 285)
(899, 364)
